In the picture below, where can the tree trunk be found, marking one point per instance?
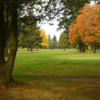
(31, 50)
(2, 44)
(37, 49)
(94, 48)
(6, 68)
(81, 47)
(28, 49)
(6, 51)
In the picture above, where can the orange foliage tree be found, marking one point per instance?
(44, 42)
(86, 27)
(74, 37)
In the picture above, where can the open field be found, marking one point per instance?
(55, 75)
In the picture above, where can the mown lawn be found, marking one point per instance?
(29, 67)
(57, 63)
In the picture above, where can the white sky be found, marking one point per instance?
(51, 29)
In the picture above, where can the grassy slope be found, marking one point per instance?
(54, 63)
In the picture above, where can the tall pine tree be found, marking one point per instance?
(63, 41)
(54, 42)
(49, 41)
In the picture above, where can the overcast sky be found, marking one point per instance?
(52, 29)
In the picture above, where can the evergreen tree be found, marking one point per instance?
(63, 41)
(33, 38)
(54, 38)
(21, 40)
(54, 42)
(30, 36)
(49, 41)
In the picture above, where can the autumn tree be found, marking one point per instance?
(86, 28)
(91, 29)
(75, 38)
(44, 42)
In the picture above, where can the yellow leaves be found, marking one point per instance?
(44, 38)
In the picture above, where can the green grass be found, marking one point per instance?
(57, 63)
(54, 63)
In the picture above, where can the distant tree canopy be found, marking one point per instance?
(63, 42)
(86, 28)
(69, 11)
(49, 41)
(54, 38)
(52, 43)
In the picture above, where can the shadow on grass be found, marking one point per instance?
(52, 88)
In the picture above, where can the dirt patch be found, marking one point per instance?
(91, 80)
(84, 53)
